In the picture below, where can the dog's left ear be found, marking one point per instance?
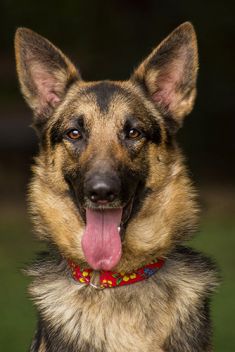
(169, 73)
(45, 73)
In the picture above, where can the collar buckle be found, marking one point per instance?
(95, 280)
(99, 288)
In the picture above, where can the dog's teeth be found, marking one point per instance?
(119, 228)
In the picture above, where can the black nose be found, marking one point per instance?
(102, 189)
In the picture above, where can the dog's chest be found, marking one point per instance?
(108, 320)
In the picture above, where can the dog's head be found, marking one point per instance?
(108, 183)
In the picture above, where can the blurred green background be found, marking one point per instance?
(107, 39)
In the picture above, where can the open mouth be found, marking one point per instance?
(104, 231)
(126, 212)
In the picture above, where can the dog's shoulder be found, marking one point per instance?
(191, 273)
(187, 280)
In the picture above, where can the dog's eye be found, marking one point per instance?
(133, 133)
(74, 134)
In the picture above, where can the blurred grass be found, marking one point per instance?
(217, 239)
(17, 321)
(18, 317)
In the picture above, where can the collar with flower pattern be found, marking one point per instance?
(112, 278)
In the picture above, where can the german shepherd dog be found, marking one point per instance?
(112, 198)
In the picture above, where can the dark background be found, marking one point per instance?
(107, 39)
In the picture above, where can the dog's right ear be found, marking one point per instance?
(45, 73)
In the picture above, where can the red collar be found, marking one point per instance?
(112, 278)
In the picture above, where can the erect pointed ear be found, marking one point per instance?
(169, 73)
(45, 73)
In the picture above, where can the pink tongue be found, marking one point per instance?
(101, 242)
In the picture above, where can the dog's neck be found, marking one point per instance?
(109, 279)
